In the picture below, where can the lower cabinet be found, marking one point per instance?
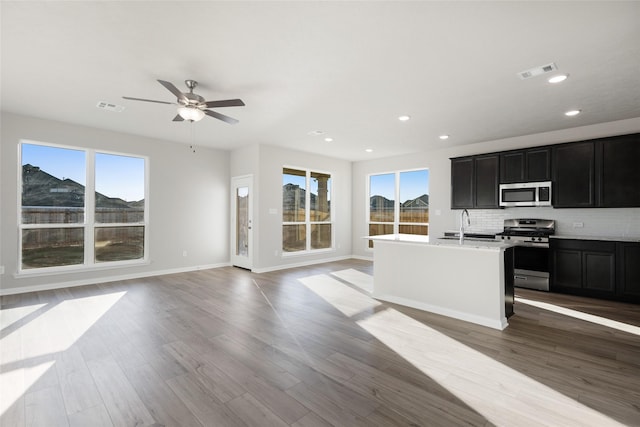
(628, 256)
(596, 268)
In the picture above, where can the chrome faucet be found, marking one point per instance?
(462, 224)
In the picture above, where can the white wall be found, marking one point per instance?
(189, 201)
(597, 222)
(267, 229)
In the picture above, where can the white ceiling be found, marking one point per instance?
(346, 68)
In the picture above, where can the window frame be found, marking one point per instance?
(307, 214)
(396, 205)
(89, 225)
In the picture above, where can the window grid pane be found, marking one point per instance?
(414, 195)
(52, 247)
(382, 198)
(119, 189)
(320, 197)
(320, 236)
(53, 189)
(294, 238)
(293, 195)
(119, 243)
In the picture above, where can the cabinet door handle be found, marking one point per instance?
(520, 277)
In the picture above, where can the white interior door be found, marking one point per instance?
(242, 221)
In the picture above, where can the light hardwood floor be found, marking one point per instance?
(308, 347)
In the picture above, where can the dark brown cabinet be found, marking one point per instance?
(618, 159)
(530, 165)
(596, 268)
(486, 185)
(474, 182)
(628, 257)
(462, 183)
(573, 167)
(596, 173)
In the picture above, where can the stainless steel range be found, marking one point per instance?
(531, 254)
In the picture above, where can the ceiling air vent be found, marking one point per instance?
(536, 71)
(110, 107)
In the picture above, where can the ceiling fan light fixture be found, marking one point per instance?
(191, 113)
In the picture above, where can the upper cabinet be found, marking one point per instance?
(574, 175)
(528, 165)
(486, 185)
(596, 173)
(462, 182)
(618, 159)
(474, 182)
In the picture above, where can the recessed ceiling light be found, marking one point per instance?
(369, 150)
(328, 139)
(444, 137)
(404, 118)
(572, 113)
(559, 78)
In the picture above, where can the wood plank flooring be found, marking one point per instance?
(307, 347)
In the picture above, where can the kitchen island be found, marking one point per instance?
(465, 281)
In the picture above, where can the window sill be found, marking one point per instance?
(54, 271)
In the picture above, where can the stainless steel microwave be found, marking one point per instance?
(526, 194)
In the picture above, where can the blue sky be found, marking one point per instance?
(412, 184)
(116, 176)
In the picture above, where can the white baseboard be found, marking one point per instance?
(106, 279)
(478, 320)
(300, 264)
(363, 258)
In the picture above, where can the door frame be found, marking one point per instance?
(241, 261)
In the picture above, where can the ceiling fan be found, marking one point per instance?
(193, 107)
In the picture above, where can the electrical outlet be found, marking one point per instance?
(578, 224)
(184, 253)
(1, 269)
(275, 253)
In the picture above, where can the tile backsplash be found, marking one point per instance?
(603, 222)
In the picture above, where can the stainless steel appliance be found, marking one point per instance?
(531, 253)
(526, 194)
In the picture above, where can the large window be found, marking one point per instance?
(306, 210)
(399, 203)
(80, 207)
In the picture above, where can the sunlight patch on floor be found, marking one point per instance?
(501, 394)
(9, 316)
(29, 351)
(614, 324)
(356, 278)
(349, 301)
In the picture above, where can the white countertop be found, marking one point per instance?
(449, 243)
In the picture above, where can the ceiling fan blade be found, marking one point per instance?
(148, 100)
(222, 117)
(178, 118)
(225, 103)
(174, 90)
